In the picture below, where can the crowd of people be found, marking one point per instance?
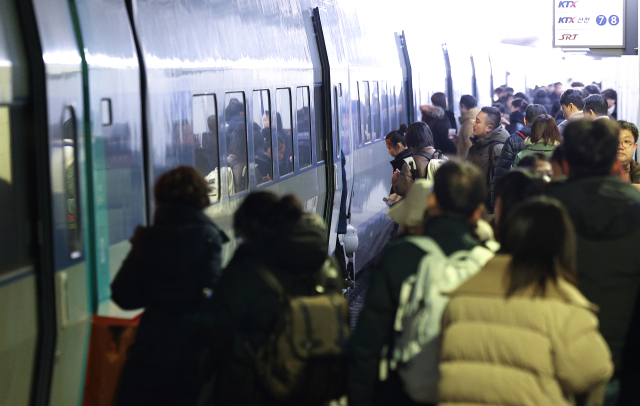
(513, 279)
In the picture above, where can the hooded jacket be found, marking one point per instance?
(531, 149)
(522, 350)
(244, 309)
(512, 146)
(606, 214)
(170, 266)
(484, 154)
(466, 132)
(375, 324)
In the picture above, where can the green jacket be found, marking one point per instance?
(531, 149)
(375, 324)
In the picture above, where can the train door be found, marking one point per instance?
(19, 270)
(62, 165)
(114, 144)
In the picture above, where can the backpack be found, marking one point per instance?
(304, 359)
(411, 163)
(416, 351)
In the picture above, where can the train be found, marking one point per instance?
(100, 97)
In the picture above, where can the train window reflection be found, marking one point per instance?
(303, 119)
(376, 116)
(70, 179)
(261, 114)
(321, 146)
(236, 134)
(205, 128)
(384, 101)
(366, 112)
(338, 147)
(283, 130)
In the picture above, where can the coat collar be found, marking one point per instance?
(540, 145)
(493, 279)
(497, 134)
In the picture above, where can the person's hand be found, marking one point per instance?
(395, 177)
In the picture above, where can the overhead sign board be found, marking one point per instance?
(588, 23)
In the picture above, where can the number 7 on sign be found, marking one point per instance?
(601, 20)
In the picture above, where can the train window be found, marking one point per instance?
(262, 136)
(205, 129)
(321, 139)
(283, 130)
(70, 179)
(304, 126)
(366, 112)
(236, 134)
(358, 108)
(336, 95)
(384, 101)
(376, 116)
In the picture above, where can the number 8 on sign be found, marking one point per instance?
(601, 20)
(614, 20)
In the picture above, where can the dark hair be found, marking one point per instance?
(558, 84)
(512, 189)
(468, 101)
(542, 242)
(522, 96)
(576, 84)
(529, 161)
(520, 104)
(572, 96)
(493, 116)
(625, 125)
(419, 136)
(500, 107)
(439, 99)
(609, 94)
(541, 94)
(238, 145)
(458, 188)
(555, 108)
(509, 90)
(263, 215)
(591, 147)
(545, 129)
(397, 136)
(533, 111)
(596, 103)
(592, 89)
(234, 107)
(182, 185)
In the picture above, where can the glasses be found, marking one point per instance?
(626, 144)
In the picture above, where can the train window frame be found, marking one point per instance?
(300, 91)
(228, 144)
(278, 110)
(200, 141)
(384, 106)
(106, 113)
(338, 123)
(366, 118)
(360, 140)
(267, 145)
(73, 252)
(376, 120)
(321, 135)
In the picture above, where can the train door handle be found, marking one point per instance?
(63, 297)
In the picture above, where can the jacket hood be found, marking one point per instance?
(302, 250)
(601, 207)
(516, 117)
(432, 111)
(469, 115)
(497, 134)
(526, 131)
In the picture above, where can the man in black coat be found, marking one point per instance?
(170, 271)
(453, 207)
(606, 214)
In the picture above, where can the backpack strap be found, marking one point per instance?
(522, 135)
(425, 155)
(413, 168)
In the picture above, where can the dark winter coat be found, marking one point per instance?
(441, 141)
(512, 146)
(516, 122)
(244, 309)
(169, 269)
(375, 324)
(452, 119)
(606, 213)
(398, 161)
(484, 154)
